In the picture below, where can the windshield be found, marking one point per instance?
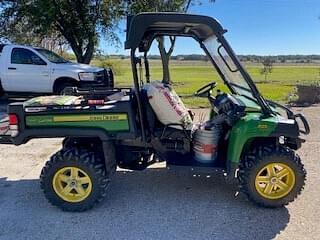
(227, 67)
(51, 56)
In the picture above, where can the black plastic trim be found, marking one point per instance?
(142, 27)
(28, 134)
(286, 128)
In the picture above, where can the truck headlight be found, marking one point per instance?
(87, 76)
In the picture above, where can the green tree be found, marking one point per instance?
(183, 6)
(79, 22)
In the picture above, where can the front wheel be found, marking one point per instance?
(62, 89)
(74, 180)
(271, 176)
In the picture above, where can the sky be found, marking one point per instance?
(261, 27)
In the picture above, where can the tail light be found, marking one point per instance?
(13, 119)
(96, 101)
(13, 125)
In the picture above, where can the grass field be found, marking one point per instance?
(188, 76)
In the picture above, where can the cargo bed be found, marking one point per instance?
(84, 115)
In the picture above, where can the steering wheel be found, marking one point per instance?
(205, 90)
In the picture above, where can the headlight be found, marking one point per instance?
(87, 76)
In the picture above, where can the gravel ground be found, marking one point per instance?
(154, 204)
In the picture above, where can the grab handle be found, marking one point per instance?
(306, 130)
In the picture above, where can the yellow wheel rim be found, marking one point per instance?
(72, 184)
(275, 180)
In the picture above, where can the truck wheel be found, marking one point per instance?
(61, 89)
(271, 176)
(74, 180)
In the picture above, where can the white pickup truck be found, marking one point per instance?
(28, 70)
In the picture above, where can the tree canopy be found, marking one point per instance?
(159, 6)
(79, 22)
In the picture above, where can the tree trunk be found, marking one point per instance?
(84, 57)
(165, 70)
(165, 61)
(77, 46)
(89, 52)
(165, 57)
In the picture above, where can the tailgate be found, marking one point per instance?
(5, 136)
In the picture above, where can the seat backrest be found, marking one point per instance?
(150, 116)
(167, 105)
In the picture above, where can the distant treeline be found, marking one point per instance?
(243, 58)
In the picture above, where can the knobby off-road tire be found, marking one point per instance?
(258, 162)
(90, 171)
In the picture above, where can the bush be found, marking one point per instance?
(115, 65)
(308, 93)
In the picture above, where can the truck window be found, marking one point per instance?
(25, 56)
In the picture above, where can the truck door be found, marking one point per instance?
(27, 72)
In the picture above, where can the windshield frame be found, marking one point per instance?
(41, 52)
(245, 75)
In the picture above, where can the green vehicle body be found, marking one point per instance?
(107, 122)
(247, 129)
(253, 125)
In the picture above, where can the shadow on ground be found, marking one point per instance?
(154, 204)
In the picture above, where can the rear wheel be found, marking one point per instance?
(271, 176)
(74, 180)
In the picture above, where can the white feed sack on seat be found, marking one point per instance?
(167, 105)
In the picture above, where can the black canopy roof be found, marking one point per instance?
(143, 27)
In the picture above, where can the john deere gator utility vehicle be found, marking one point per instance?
(248, 137)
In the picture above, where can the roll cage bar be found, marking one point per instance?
(143, 28)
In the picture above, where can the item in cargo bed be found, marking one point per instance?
(116, 96)
(53, 100)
